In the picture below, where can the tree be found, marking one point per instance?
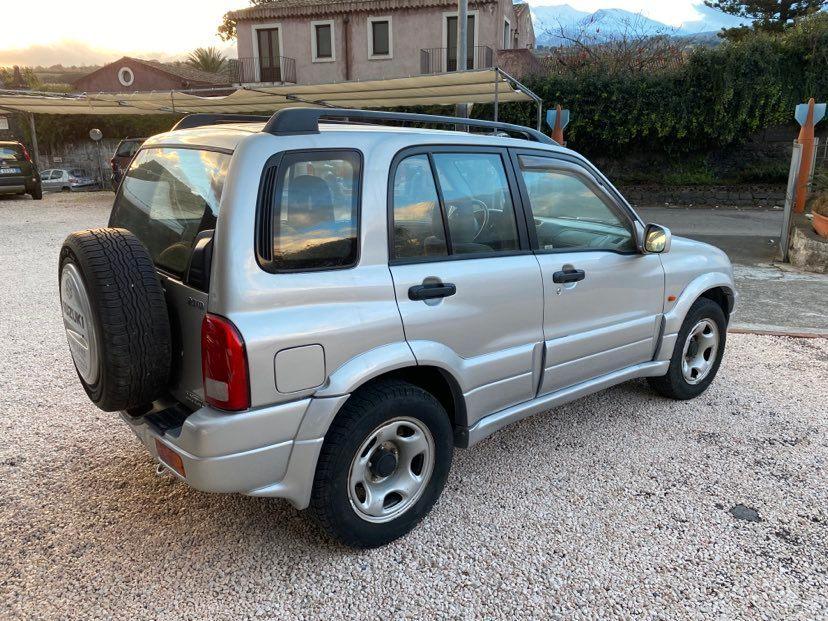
(207, 59)
(767, 15)
(227, 27)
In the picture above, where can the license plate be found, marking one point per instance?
(9, 171)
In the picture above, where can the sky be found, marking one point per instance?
(47, 32)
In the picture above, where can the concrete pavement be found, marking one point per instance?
(774, 297)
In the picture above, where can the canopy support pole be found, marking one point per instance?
(497, 84)
(33, 129)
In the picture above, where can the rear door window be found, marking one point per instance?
(168, 196)
(466, 209)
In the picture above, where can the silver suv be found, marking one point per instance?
(321, 306)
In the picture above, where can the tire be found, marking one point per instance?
(66, 188)
(386, 405)
(676, 384)
(37, 192)
(113, 302)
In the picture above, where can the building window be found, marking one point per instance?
(507, 30)
(322, 41)
(125, 76)
(380, 39)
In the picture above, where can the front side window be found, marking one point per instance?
(380, 37)
(568, 213)
(478, 203)
(314, 211)
(168, 196)
(323, 39)
(467, 210)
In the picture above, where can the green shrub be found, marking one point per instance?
(716, 99)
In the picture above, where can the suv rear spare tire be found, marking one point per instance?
(115, 317)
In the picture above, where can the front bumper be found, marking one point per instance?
(261, 452)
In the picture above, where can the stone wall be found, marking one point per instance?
(87, 155)
(706, 196)
(807, 251)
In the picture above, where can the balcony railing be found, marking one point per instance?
(258, 70)
(440, 59)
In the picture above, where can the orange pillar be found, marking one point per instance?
(806, 139)
(557, 131)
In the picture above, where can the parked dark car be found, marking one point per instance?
(18, 174)
(123, 156)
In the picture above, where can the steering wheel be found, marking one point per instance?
(477, 207)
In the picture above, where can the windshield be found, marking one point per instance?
(168, 196)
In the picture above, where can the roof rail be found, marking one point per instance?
(306, 121)
(199, 120)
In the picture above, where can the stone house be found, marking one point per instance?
(324, 41)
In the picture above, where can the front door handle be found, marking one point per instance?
(431, 291)
(569, 275)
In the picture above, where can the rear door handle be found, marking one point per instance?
(431, 291)
(568, 276)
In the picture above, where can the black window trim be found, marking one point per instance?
(262, 229)
(593, 179)
(514, 192)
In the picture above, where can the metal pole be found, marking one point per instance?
(462, 35)
(497, 85)
(540, 113)
(790, 201)
(36, 153)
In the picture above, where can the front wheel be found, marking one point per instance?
(383, 465)
(697, 353)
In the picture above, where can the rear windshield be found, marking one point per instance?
(168, 196)
(11, 152)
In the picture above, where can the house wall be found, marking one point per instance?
(412, 31)
(145, 79)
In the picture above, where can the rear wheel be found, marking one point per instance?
(37, 192)
(115, 317)
(697, 353)
(383, 465)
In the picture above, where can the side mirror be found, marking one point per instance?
(656, 239)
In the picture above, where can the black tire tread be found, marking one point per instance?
(672, 385)
(362, 402)
(131, 313)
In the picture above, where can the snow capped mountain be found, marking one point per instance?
(553, 24)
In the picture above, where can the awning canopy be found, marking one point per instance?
(483, 86)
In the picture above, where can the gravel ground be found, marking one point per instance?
(620, 505)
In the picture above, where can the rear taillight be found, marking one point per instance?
(224, 364)
(26, 153)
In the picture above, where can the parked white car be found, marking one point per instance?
(66, 180)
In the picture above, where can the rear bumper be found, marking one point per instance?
(260, 452)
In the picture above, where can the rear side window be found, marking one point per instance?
(310, 212)
(168, 196)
